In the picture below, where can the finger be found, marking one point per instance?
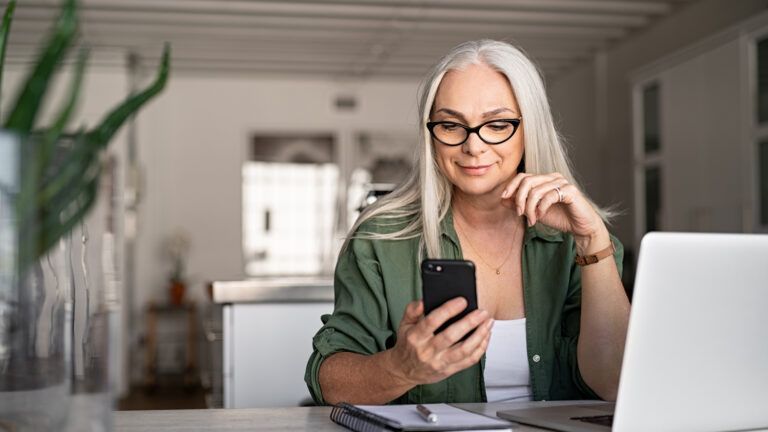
(458, 352)
(469, 352)
(537, 194)
(510, 189)
(457, 330)
(446, 311)
(528, 183)
(570, 193)
(553, 198)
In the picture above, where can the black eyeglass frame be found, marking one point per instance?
(515, 122)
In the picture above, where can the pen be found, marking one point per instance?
(426, 414)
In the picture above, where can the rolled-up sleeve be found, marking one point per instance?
(359, 322)
(567, 367)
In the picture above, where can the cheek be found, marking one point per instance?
(516, 151)
(442, 156)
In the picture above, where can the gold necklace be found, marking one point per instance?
(506, 258)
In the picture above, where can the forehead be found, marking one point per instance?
(474, 89)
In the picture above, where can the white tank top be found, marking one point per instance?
(507, 373)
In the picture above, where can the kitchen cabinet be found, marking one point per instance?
(267, 330)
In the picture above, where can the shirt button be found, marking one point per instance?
(536, 358)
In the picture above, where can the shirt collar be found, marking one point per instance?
(447, 229)
(548, 235)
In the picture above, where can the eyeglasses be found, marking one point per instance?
(491, 132)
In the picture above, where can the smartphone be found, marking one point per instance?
(442, 280)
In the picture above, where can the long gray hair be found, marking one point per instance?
(425, 197)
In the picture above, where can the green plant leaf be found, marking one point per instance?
(72, 165)
(24, 112)
(40, 227)
(49, 137)
(60, 178)
(112, 121)
(5, 28)
(58, 218)
(53, 132)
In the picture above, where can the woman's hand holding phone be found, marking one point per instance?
(422, 357)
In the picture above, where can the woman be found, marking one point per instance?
(493, 187)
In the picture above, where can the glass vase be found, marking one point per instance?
(35, 307)
(94, 327)
(58, 315)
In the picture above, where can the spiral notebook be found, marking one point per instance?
(374, 418)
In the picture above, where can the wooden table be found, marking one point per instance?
(266, 419)
(155, 313)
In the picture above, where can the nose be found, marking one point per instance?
(474, 145)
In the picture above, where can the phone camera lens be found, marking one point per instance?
(430, 267)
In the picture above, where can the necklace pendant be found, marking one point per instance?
(498, 271)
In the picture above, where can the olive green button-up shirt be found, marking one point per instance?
(376, 279)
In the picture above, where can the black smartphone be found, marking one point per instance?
(442, 280)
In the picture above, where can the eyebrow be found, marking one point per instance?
(485, 114)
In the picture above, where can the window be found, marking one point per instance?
(289, 206)
(763, 186)
(651, 132)
(652, 198)
(302, 193)
(648, 173)
(762, 81)
(761, 133)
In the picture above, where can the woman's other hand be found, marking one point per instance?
(553, 201)
(421, 357)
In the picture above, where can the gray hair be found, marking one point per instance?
(423, 200)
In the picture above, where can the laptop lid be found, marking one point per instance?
(696, 356)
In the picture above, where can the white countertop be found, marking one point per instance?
(274, 290)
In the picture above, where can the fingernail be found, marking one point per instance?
(519, 211)
(490, 323)
(505, 194)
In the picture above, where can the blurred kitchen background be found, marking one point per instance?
(282, 119)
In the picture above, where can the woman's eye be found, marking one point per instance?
(449, 127)
(499, 126)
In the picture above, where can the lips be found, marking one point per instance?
(475, 170)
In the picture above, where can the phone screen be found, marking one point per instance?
(443, 280)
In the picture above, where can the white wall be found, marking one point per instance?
(610, 76)
(575, 117)
(701, 142)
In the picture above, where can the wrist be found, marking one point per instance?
(392, 368)
(592, 243)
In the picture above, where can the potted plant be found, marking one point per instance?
(49, 180)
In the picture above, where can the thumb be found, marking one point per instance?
(413, 312)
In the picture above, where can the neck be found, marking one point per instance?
(482, 211)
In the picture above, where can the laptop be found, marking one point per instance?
(696, 357)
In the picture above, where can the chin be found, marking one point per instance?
(476, 188)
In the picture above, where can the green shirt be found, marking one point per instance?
(376, 279)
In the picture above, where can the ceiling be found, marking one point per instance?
(336, 38)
